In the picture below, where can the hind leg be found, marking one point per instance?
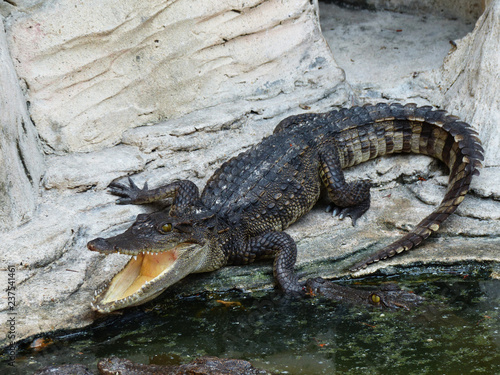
(347, 198)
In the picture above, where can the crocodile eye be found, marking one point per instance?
(166, 228)
(375, 299)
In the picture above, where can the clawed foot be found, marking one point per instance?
(294, 288)
(354, 212)
(131, 194)
(299, 292)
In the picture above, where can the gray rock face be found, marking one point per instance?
(467, 10)
(98, 68)
(469, 78)
(21, 160)
(7, 7)
(98, 75)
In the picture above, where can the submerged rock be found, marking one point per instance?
(64, 370)
(119, 366)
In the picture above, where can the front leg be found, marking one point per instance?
(180, 194)
(283, 248)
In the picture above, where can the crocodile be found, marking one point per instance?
(241, 213)
(388, 296)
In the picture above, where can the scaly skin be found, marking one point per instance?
(240, 215)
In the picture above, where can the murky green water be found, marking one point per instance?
(457, 331)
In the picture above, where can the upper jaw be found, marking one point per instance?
(129, 245)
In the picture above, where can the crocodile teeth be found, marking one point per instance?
(135, 257)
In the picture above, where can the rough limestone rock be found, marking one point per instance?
(219, 83)
(467, 10)
(7, 7)
(21, 160)
(471, 81)
(97, 68)
(468, 85)
(220, 72)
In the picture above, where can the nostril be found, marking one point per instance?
(98, 244)
(141, 218)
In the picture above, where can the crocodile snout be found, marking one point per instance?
(99, 244)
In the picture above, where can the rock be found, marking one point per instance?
(84, 170)
(64, 370)
(21, 160)
(97, 68)
(470, 81)
(88, 89)
(467, 10)
(488, 184)
(366, 43)
(7, 7)
(121, 366)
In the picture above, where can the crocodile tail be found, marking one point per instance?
(435, 133)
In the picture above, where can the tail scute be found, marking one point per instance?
(458, 146)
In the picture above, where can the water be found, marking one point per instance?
(456, 331)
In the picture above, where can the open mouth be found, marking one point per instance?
(145, 276)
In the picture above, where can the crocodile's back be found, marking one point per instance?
(268, 186)
(275, 182)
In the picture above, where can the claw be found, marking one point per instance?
(121, 193)
(128, 194)
(132, 184)
(342, 214)
(354, 212)
(335, 210)
(116, 185)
